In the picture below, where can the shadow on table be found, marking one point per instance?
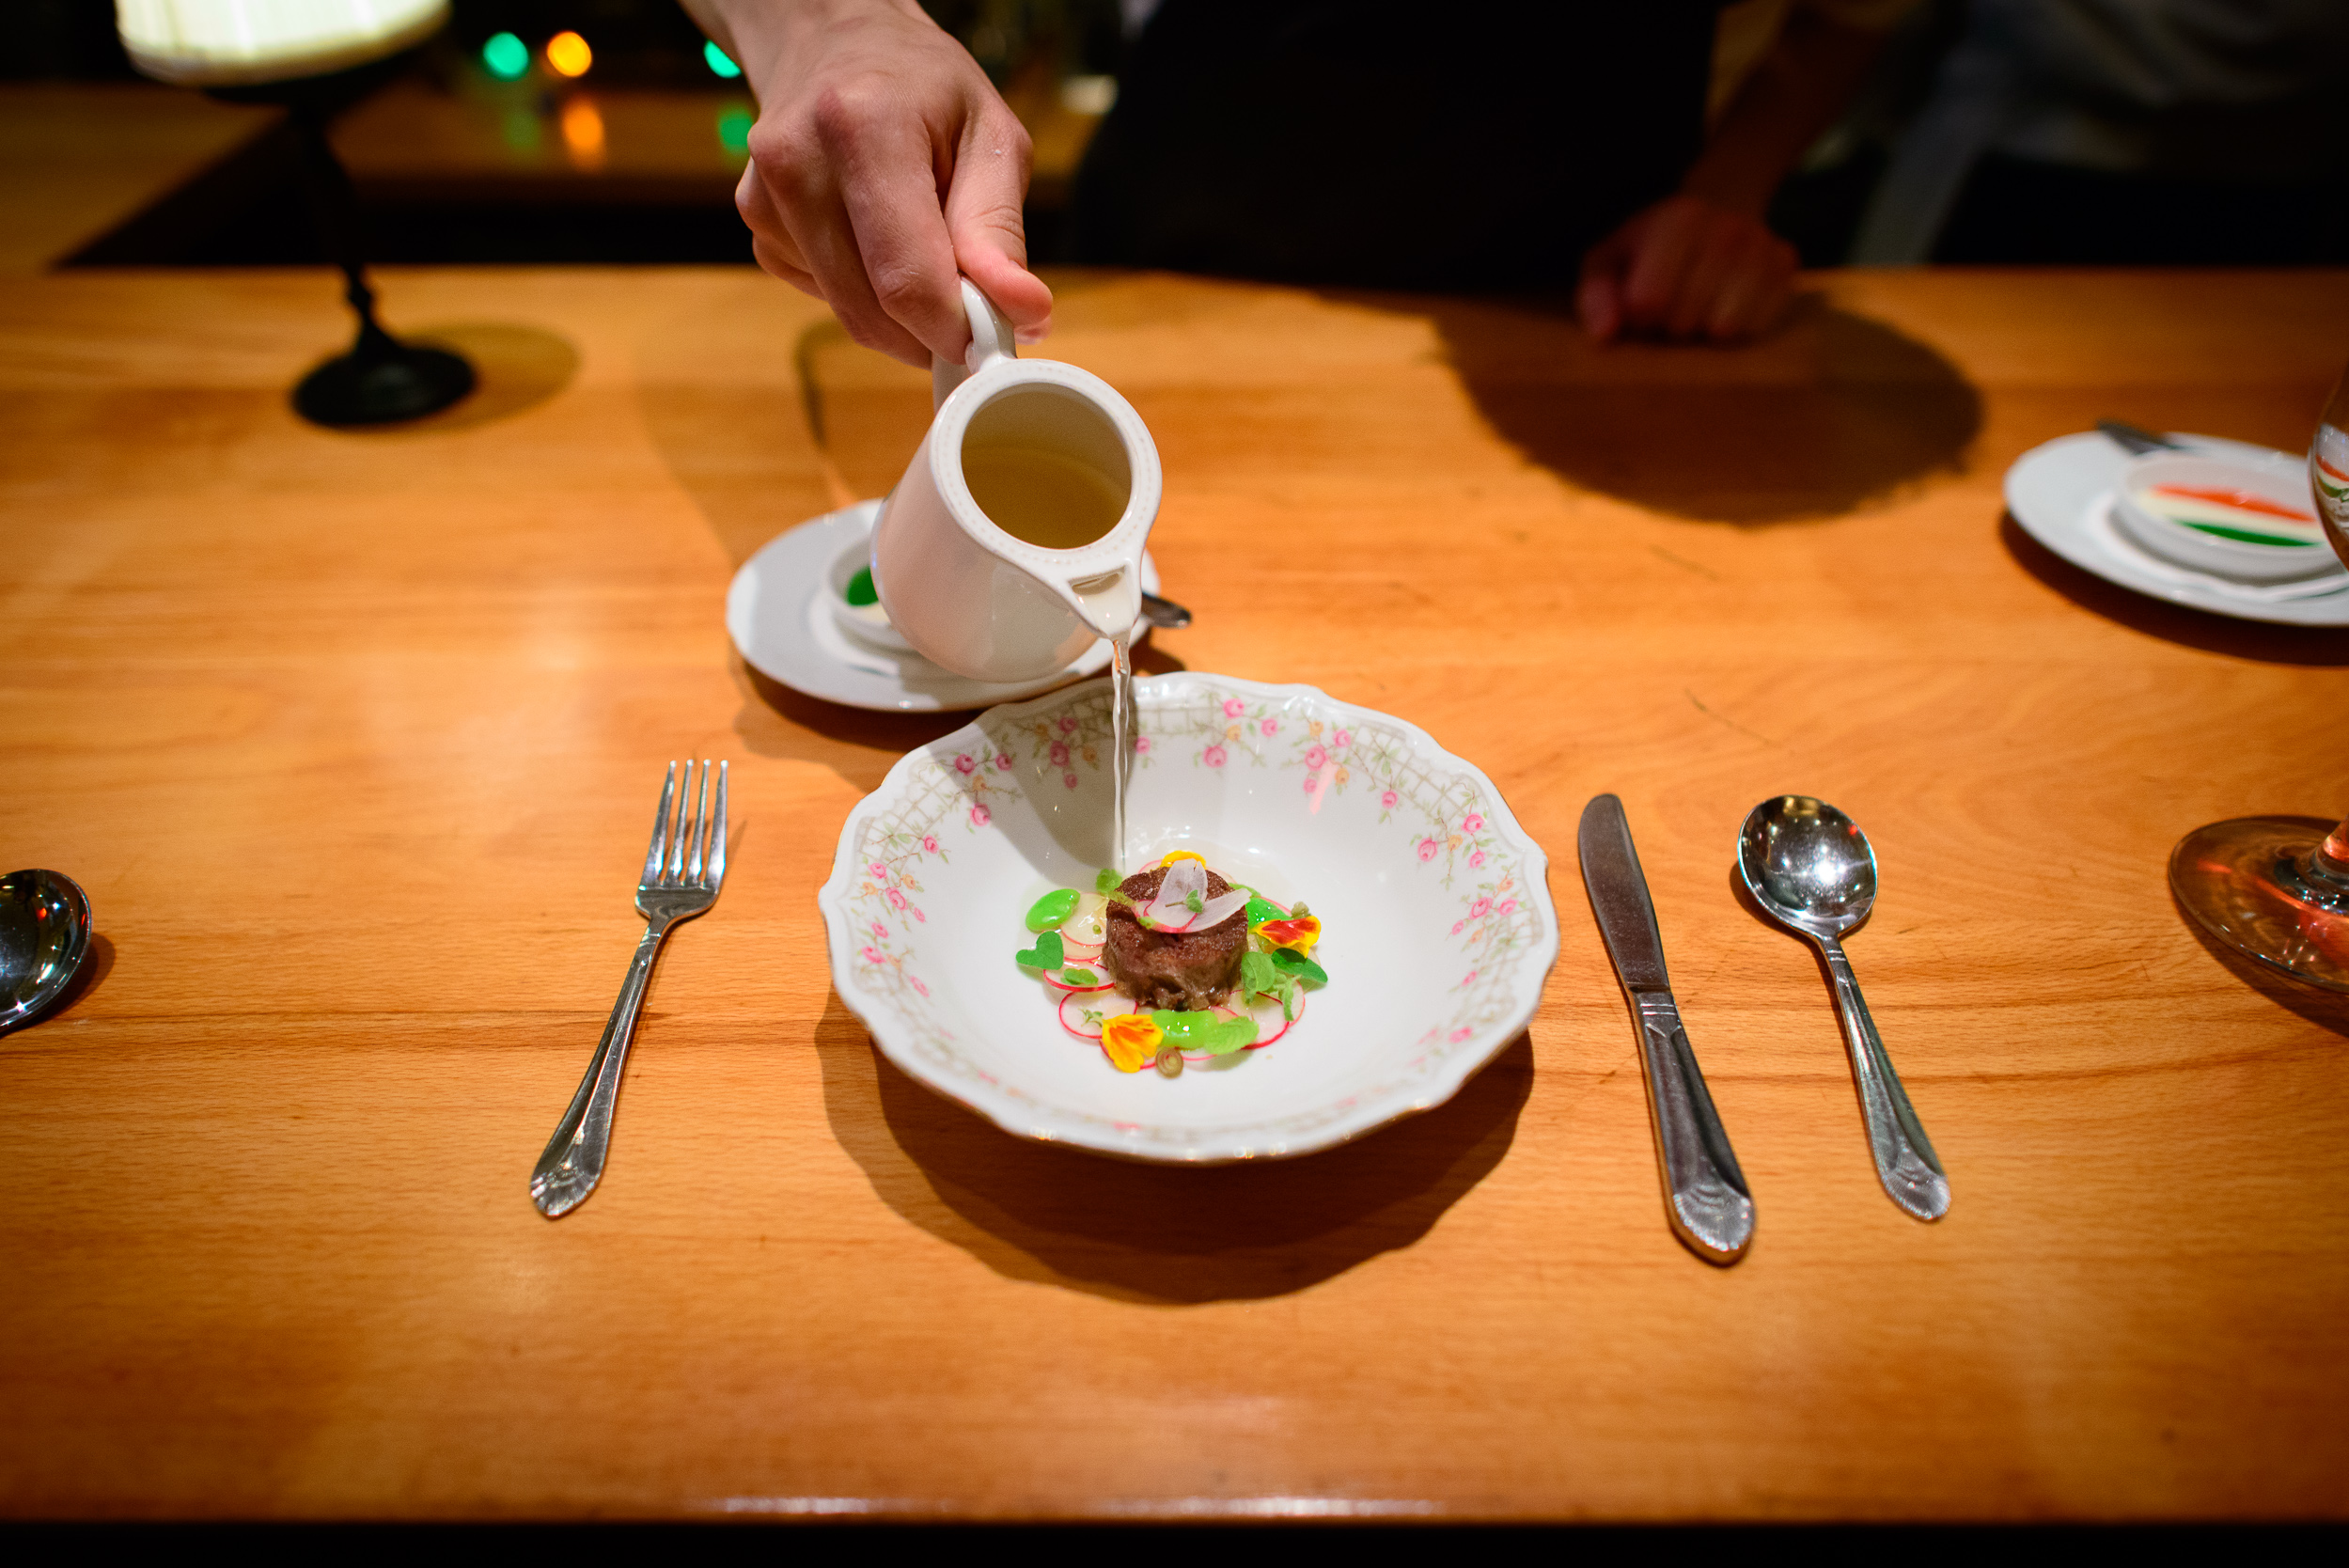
(1155, 1233)
(1827, 415)
(2317, 647)
(518, 368)
(2326, 1008)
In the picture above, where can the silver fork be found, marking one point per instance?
(679, 884)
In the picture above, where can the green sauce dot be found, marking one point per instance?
(1052, 910)
(860, 591)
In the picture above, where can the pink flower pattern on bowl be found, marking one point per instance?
(1445, 813)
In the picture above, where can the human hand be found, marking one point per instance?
(1685, 269)
(883, 163)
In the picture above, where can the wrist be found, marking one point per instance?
(760, 34)
(1740, 185)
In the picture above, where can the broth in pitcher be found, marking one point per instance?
(1045, 499)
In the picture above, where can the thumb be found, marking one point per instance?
(982, 213)
(1599, 297)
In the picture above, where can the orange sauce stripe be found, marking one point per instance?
(2241, 500)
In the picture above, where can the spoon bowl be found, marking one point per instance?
(44, 936)
(1808, 864)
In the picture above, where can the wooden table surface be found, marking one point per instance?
(352, 739)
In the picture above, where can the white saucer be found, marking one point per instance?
(785, 632)
(2061, 493)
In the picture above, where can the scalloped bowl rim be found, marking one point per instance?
(1470, 1049)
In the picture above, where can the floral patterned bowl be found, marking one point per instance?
(1438, 935)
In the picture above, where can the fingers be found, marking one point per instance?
(1753, 293)
(1717, 252)
(773, 262)
(800, 232)
(844, 197)
(888, 174)
(1599, 296)
(1684, 270)
(771, 243)
(1668, 245)
(983, 221)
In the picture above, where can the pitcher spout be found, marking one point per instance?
(1109, 602)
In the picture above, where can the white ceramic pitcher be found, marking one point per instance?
(1072, 481)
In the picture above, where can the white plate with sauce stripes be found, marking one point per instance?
(2061, 493)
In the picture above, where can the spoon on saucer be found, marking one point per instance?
(1809, 867)
(1165, 613)
(44, 936)
(2135, 439)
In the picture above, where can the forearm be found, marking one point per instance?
(1794, 94)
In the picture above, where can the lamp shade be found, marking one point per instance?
(230, 42)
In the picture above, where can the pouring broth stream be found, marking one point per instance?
(1058, 500)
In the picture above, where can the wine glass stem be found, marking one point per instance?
(2328, 863)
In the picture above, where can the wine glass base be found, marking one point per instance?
(383, 387)
(2242, 881)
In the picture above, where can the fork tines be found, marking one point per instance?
(691, 853)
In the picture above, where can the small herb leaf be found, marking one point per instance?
(1048, 953)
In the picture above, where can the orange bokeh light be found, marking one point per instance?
(568, 54)
(583, 133)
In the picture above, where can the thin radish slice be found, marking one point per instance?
(1075, 1006)
(1170, 910)
(1080, 952)
(1270, 1023)
(1222, 907)
(1088, 927)
(1092, 987)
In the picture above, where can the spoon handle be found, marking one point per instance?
(1905, 1163)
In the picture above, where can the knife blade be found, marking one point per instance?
(1705, 1197)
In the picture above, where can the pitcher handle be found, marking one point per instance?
(991, 338)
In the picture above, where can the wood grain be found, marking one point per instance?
(352, 737)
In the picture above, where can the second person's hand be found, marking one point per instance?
(1683, 270)
(883, 163)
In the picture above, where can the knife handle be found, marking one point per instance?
(1704, 1193)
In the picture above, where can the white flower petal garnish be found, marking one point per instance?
(1171, 910)
(1221, 908)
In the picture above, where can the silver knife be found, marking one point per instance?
(1704, 1193)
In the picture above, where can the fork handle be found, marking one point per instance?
(1905, 1162)
(574, 1161)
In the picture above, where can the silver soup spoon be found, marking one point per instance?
(44, 936)
(1809, 867)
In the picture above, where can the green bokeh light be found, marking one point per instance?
(521, 130)
(734, 130)
(506, 57)
(719, 63)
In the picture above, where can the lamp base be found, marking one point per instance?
(382, 386)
